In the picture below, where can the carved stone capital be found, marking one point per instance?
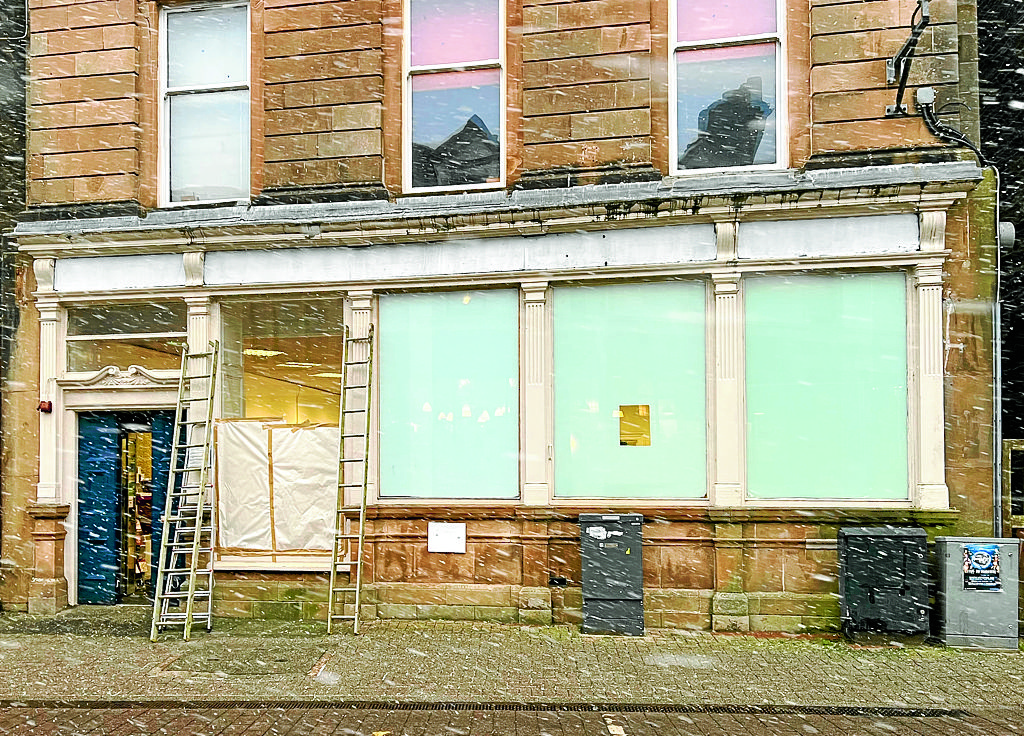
(534, 291)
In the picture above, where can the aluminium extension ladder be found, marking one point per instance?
(353, 444)
(184, 582)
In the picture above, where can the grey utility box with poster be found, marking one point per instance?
(611, 552)
(977, 595)
(883, 580)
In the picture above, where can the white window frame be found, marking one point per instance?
(781, 92)
(165, 93)
(409, 71)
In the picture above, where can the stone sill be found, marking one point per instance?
(712, 515)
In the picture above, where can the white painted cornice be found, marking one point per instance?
(674, 200)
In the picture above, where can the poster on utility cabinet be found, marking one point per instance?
(981, 567)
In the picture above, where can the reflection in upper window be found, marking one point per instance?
(725, 106)
(454, 88)
(455, 121)
(725, 61)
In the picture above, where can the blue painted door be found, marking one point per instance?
(100, 537)
(99, 513)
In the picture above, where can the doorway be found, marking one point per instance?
(123, 461)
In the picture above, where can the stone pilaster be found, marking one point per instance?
(48, 589)
(932, 492)
(51, 363)
(728, 474)
(536, 411)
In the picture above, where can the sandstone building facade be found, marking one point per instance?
(619, 255)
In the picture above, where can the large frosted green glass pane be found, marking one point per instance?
(630, 391)
(449, 399)
(826, 386)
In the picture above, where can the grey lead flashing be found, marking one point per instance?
(496, 202)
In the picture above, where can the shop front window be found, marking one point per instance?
(149, 335)
(282, 360)
(449, 397)
(629, 390)
(826, 397)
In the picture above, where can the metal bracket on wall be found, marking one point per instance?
(898, 67)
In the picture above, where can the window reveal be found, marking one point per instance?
(635, 425)
(726, 70)
(454, 92)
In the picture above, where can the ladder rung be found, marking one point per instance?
(352, 460)
(350, 485)
(350, 509)
(179, 618)
(194, 398)
(354, 411)
(346, 536)
(351, 435)
(355, 385)
(356, 362)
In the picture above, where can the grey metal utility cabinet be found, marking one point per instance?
(977, 595)
(611, 552)
(883, 580)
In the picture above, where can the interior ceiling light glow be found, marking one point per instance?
(327, 375)
(298, 365)
(259, 353)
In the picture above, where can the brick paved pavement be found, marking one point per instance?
(104, 655)
(321, 721)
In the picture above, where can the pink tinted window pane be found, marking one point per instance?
(453, 31)
(701, 20)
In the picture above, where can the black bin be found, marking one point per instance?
(611, 551)
(883, 580)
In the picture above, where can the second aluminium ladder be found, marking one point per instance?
(350, 520)
(184, 582)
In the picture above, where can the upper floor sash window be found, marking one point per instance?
(728, 106)
(204, 79)
(454, 94)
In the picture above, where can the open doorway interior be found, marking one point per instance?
(122, 475)
(135, 492)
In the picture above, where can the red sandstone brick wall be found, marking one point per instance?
(587, 87)
(850, 42)
(586, 82)
(323, 70)
(83, 142)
